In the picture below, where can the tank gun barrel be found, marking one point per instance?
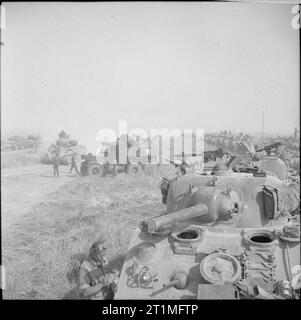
(270, 147)
(154, 224)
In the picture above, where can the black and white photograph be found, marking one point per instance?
(150, 151)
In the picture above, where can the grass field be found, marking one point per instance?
(11, 159)
(38, 247)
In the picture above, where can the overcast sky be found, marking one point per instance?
(82, 67)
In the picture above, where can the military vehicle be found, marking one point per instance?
(90, 166)
(14, 143)
(231, 234)
(66, 147)
(108, 162)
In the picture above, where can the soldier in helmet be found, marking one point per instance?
(93, 280)
(73, 163)
(56, 164)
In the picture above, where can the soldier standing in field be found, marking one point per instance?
(73, 164)
(56, 164)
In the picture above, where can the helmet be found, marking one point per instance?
(97, 250)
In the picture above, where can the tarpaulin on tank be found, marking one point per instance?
(280, 199)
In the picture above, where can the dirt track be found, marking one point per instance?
(23, 187)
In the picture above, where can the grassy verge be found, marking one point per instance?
(37, 250)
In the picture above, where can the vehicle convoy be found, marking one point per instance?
(225, 235)
(14, 143)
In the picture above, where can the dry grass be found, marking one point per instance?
(37, 250)
(11, 159)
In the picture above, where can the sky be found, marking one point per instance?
(83, 67)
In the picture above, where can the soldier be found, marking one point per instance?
(93, 280)
(281, 153)
(73, 164)
(85, 161)
(83, 167)
(56, 164)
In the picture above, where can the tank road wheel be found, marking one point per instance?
(134, 169)
(96, 170)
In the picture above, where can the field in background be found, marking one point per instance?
(37, 248)
(11, 159)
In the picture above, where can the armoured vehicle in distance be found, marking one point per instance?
(225, 235)
(107, 162)
(90, 166)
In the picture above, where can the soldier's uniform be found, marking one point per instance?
(56, 164)
(73, 165)
(91, 274)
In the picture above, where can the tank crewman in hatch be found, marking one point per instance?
(95, 283)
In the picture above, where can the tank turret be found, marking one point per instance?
(228, 235)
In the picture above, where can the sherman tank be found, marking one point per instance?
(225, 235)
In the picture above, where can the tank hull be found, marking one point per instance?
(167, 263)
